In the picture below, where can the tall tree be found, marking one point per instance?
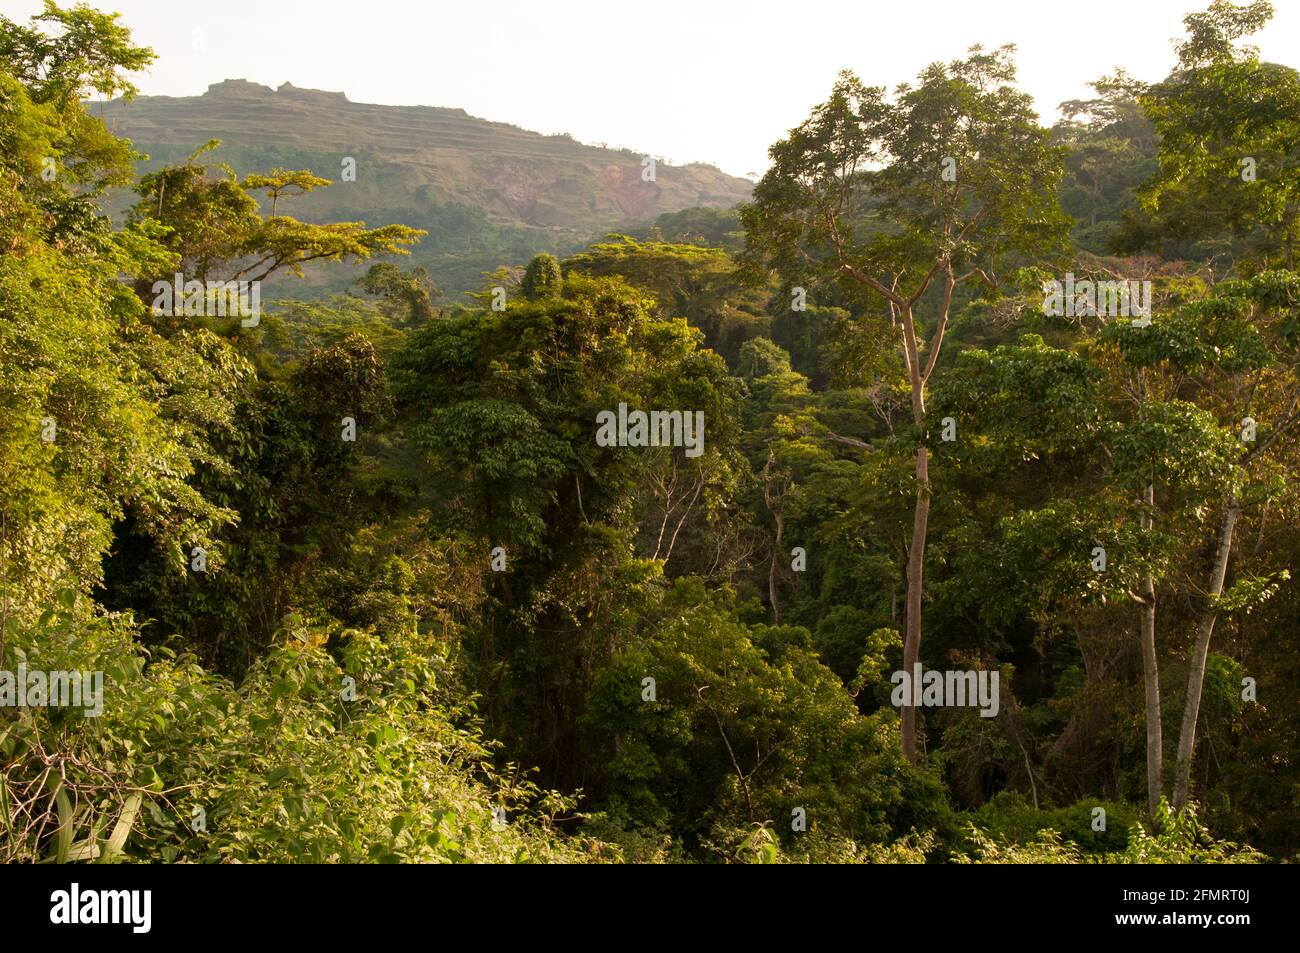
(542, 278)
(901, 200)
(213, 225)
(1246, 366)
(1229, 174)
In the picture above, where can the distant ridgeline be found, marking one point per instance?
(488, 193)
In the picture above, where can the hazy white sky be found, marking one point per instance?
(703, 80)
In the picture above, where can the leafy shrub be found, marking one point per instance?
(1009, 817)
(279, 768)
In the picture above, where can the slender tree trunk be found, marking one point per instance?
(918, 376)
(912, 614)
(1151, 678)
(775, 503)
(920, 528)
(1200, 653)
(772, 572)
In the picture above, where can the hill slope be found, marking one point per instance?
(489, 193)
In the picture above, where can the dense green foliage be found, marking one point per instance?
(364, 584)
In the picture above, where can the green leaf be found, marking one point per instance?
(126, 820)
(63, 836)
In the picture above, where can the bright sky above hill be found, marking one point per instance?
(707, 80)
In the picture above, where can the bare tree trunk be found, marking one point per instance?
(771, 572)
(775, 503)
(1151, 678)
(912, 614)
(1200, 653)
(917, 376)
(915, 552)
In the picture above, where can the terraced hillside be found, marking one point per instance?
(488, 193)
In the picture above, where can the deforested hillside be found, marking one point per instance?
(488, 193)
